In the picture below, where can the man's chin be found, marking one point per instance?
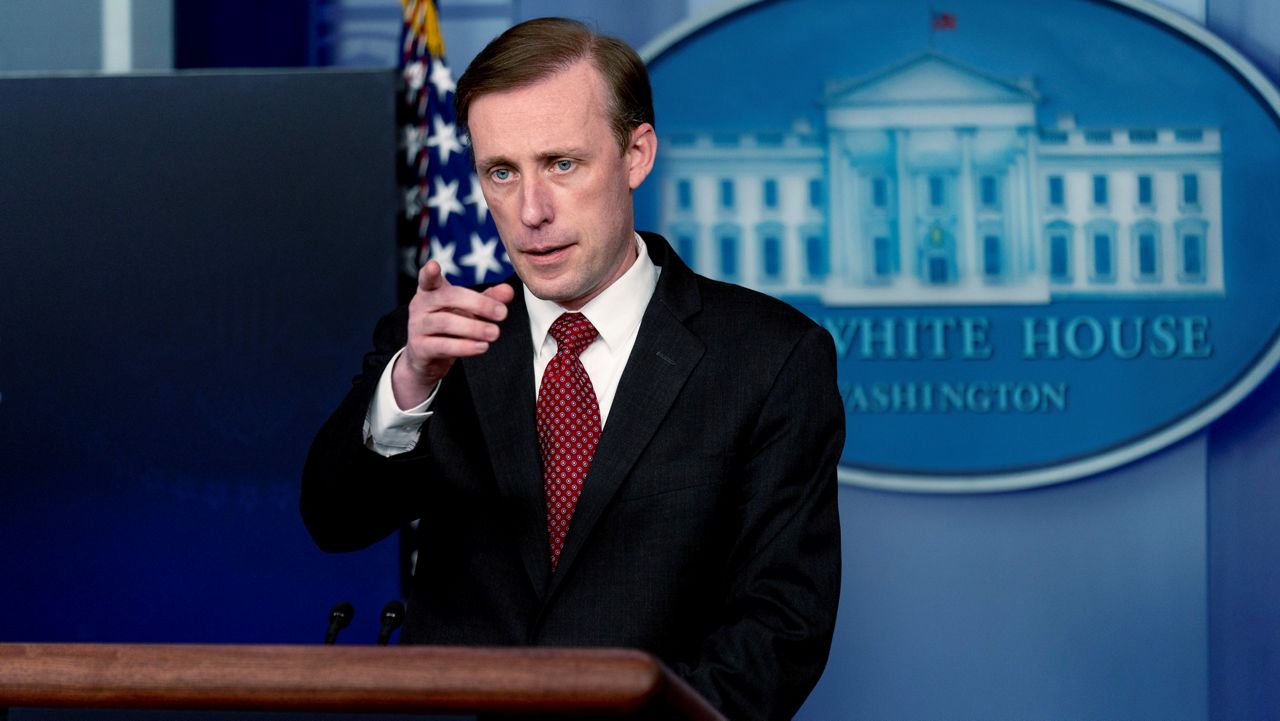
(565, 295)
(544, 290)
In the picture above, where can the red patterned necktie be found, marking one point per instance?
(568, 424)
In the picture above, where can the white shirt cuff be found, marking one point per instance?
(388, 430)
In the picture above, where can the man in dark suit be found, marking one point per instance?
(607, 449)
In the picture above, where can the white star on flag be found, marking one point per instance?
(445, 200)
(415, 74)
(483, 257)
(442, 78)
(412, 202)
(444, 139)
(412, 142)
(443, 254)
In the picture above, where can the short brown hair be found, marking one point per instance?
(536, 49)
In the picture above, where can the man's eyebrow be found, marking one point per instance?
(562, 153)
(486, 163)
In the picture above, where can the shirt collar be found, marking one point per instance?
(615, 312)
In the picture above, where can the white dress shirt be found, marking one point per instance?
(616, 314)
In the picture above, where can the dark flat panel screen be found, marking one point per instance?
(190, 266)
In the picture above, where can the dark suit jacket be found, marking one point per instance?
(706, 532)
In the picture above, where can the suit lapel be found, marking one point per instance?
(501, 382)
(664, 355)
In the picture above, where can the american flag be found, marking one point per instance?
(445, 217)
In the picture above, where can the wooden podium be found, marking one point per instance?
(404, 679)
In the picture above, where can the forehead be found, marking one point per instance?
(567, 108)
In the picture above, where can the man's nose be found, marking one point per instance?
(536, 208)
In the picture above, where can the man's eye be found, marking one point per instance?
(501, 175)
(564, 165)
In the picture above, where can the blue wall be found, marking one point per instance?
(1079, 601)
(1244, 558)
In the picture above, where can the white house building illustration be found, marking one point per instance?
(931, 183)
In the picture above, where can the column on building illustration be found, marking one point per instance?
(866, 211)
(970, 246)
(1032, 219)
(844, 200)
(906, 211)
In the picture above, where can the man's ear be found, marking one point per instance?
(640, 153)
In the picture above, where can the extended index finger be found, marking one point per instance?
(474, 303)
(431, 276)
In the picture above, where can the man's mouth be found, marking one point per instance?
(546, 251)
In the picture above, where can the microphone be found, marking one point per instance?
(339, 618)
(392, 617)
